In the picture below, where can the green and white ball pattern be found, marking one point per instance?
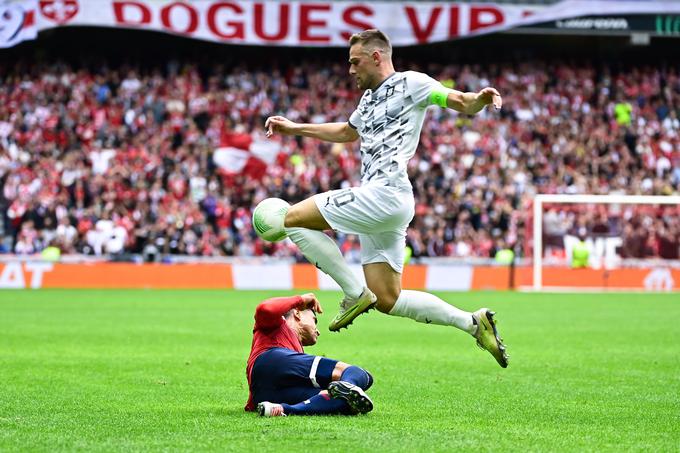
(268, 219)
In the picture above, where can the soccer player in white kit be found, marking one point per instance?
(388, 120)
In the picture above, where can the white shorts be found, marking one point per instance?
(378, 214)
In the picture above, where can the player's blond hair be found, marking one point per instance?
(372, 40)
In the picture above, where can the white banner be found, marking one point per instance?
(17, 22)
(308, 23)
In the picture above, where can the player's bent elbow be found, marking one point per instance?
(264, 314)
(349, 134)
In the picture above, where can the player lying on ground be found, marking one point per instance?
(388, 120)
(283, 380)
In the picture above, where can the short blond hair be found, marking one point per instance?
(372, 40)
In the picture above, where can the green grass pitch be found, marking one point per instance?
(164, 371)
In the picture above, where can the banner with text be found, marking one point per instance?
(302, 22)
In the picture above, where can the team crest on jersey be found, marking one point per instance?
(390, 91)
(59, 11)
(364, 104)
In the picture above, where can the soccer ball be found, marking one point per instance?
(268, 219)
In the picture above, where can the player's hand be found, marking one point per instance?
(279, 124)
(490, 95)
(309, 301)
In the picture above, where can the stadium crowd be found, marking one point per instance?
(120, 159)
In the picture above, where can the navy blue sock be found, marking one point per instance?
(357, 376)
(317, 405)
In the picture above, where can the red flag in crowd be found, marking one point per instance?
(241, 154)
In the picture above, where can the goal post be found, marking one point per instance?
(541, 200)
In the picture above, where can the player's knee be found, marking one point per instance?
(305, 215)
(302, 215)
(358, 376)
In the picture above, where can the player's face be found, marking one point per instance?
(361, 66)
(308, 330)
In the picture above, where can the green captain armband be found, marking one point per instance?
(438, 96)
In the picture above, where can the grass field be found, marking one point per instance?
(165, 370)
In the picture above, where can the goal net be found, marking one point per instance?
(606, 242)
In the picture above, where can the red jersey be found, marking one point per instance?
(271, 331)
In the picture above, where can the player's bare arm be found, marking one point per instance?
(330, 132)
(471, 103)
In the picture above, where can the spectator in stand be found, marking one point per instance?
(134, 144)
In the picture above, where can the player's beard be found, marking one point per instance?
(363, 83)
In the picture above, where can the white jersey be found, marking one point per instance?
(388, 120)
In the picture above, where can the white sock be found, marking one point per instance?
(430, 309)
(322, 251)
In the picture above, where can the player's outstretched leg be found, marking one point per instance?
(320, 250)
(487, 336)
(430, 309)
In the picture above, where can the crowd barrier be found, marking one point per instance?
(39, 274)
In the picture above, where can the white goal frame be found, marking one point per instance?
(540, 199)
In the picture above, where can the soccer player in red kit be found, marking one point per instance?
(283, 380)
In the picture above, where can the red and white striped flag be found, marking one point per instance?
(240, 153)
